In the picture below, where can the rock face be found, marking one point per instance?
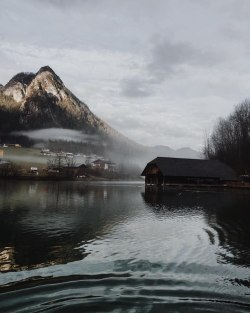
(33, 101)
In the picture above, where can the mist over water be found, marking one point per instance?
(114, 247)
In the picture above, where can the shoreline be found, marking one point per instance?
(156, 188)
(52, 178)
(242, 186)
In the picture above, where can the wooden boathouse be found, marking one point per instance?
(164, 171)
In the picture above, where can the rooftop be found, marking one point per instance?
(177, 167)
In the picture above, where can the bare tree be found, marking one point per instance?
(230, 139)
(60, 164)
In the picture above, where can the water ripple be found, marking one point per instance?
(114, 248)
(116, 293)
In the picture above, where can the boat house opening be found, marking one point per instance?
(164, 170)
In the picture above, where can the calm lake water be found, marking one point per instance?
(77, 247)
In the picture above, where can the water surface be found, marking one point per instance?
(112, 247)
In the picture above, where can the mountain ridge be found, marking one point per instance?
(29, 93)
(33, 101)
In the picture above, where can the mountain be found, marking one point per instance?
(33, 101)
(41, 100)
(185, 152)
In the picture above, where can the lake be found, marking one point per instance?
(114, 247)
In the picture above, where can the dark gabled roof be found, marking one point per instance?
(176, 167)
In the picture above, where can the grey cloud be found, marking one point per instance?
(160, 54)
(136, 87)
(235, 8)
(61, 3)
(168, 57)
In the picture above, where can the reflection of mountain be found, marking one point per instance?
(43, 223)
(226, 214)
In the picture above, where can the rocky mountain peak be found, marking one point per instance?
(47, 71)
(47, 82)
(25, 85)
(41, 100)
(46, 68)
(23, 78)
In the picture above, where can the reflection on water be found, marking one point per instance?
(7, 261)
(118, 248)
(226, 213)
(43, 223)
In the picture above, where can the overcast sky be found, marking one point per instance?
(159, 71)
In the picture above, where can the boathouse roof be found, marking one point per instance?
(177, 167)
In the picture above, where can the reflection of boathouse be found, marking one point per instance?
(163, 170)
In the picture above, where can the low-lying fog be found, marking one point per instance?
(58, 134)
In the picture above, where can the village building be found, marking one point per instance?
(77, 170)
(34, 170)
(74, 171)
(164, 170)
(45, 152)
(103, 165)
(16, 145)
